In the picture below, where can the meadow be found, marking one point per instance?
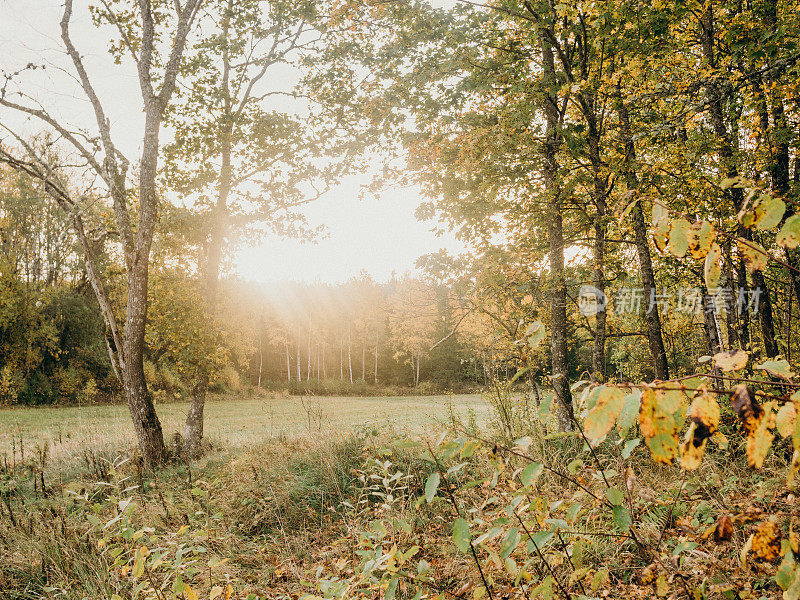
(232, 421)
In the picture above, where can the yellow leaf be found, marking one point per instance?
(190, 593)
(754, 256)
(679, 237)
(733, 360)
(760, 438)
(767, 541)
(700, 239)
(785, 419)
(604, 413)
(712, 271)
(692, 449)
(660, 420)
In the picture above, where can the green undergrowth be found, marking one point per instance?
(366, 513)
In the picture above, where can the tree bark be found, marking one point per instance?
(555, 235)
(652, 317)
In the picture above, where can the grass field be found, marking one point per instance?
(230, 421)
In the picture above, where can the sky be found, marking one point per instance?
(377, 234)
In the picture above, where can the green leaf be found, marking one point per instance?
(679, 237)
(629, 446)
(614, 496)
(539, 539)
(391, 589)
(769, 212)
(544, 408)
(574, 465)
(535, 333)
(630, 410)
(431, 485)
(786, 572)
(572, 511)
(789, 235)
(461, 535)
(531, 473)
(622, 518)
(778, 368)
(423, 566)
(509, 543)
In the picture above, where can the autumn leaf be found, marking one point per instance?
(601, 418)
(700, 239)
(754, 256)
(704, 413)
(723, 529)
(767, 541)
(679, 237)
(746, 408)
(659, 420)
(732, 360)
(692, 448)
(712, 271)
(785, 419)
(760, 438)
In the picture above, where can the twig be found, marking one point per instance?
(452, 498)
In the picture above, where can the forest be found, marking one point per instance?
(592, 396)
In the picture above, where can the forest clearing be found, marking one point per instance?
(399, 299)
(235, 422)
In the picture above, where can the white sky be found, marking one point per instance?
(378, 235)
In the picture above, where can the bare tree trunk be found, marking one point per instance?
(324, 368)
(363, 359)
(349, 353)
(710, 324)
(299, 376)
(288, 364)
(376, 358)
(260, 358)
(308, 365)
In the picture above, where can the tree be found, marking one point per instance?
(245, 156)
(153, 34)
